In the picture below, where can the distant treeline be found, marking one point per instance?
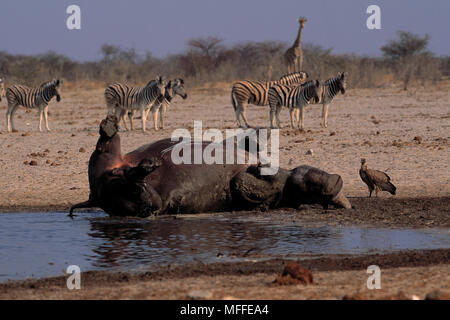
(207, 60)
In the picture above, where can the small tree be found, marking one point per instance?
(206, 46)
(203, 53)
(407, 53)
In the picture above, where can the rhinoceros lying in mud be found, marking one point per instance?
(146, 182)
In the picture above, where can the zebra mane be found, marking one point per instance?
(48, 84)
(332, 80)
(294, 75)
(151, 83)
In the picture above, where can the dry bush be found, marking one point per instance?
(206, 62)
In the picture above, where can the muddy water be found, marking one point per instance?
(45, 244)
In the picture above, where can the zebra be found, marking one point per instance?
(256, 92)
(122, 99)
(293, 97)
(39, 97)
(331, 88)
(2, 89)
(173, 88)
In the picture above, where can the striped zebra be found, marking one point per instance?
(330, 88)
(294, 97)
(39, 97)
(122, 99)
(256, 92)
(173, 88)
(2, 89)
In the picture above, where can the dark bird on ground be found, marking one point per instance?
(375, 180)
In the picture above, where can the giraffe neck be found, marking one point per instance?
(299, 37)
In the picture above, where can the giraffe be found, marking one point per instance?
(293, 57)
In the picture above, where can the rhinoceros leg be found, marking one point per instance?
(250, 189)
(148, 201)
(142, 170)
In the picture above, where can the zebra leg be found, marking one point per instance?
(272, 116)
(244, 115)
(13, 112)
(124, 120)
(8, 125)
(297, 115)
(237, 111)
(155, 114)
(277, 115)
(119, 115)
(292, 115)
(41, 113)
(324, 115)
(302, 117)
(9, 114)
(155, 111)
(46, 117)
(162, 114)
(130, 117)
(144, 118)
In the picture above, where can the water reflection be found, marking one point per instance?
(42, 244)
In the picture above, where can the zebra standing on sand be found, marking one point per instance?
(31, 98)
(256, 92)
(293, 97)
(122, 99)
(331, 88)
(173, 88)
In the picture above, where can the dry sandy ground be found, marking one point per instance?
(378, 124)
(405, 275)
(397, 284)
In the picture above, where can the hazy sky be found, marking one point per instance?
(164, 26)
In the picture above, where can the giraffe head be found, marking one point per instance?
(302, 21)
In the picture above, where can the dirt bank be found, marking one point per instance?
(403, 275)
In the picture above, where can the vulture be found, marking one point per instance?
(375, 180)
